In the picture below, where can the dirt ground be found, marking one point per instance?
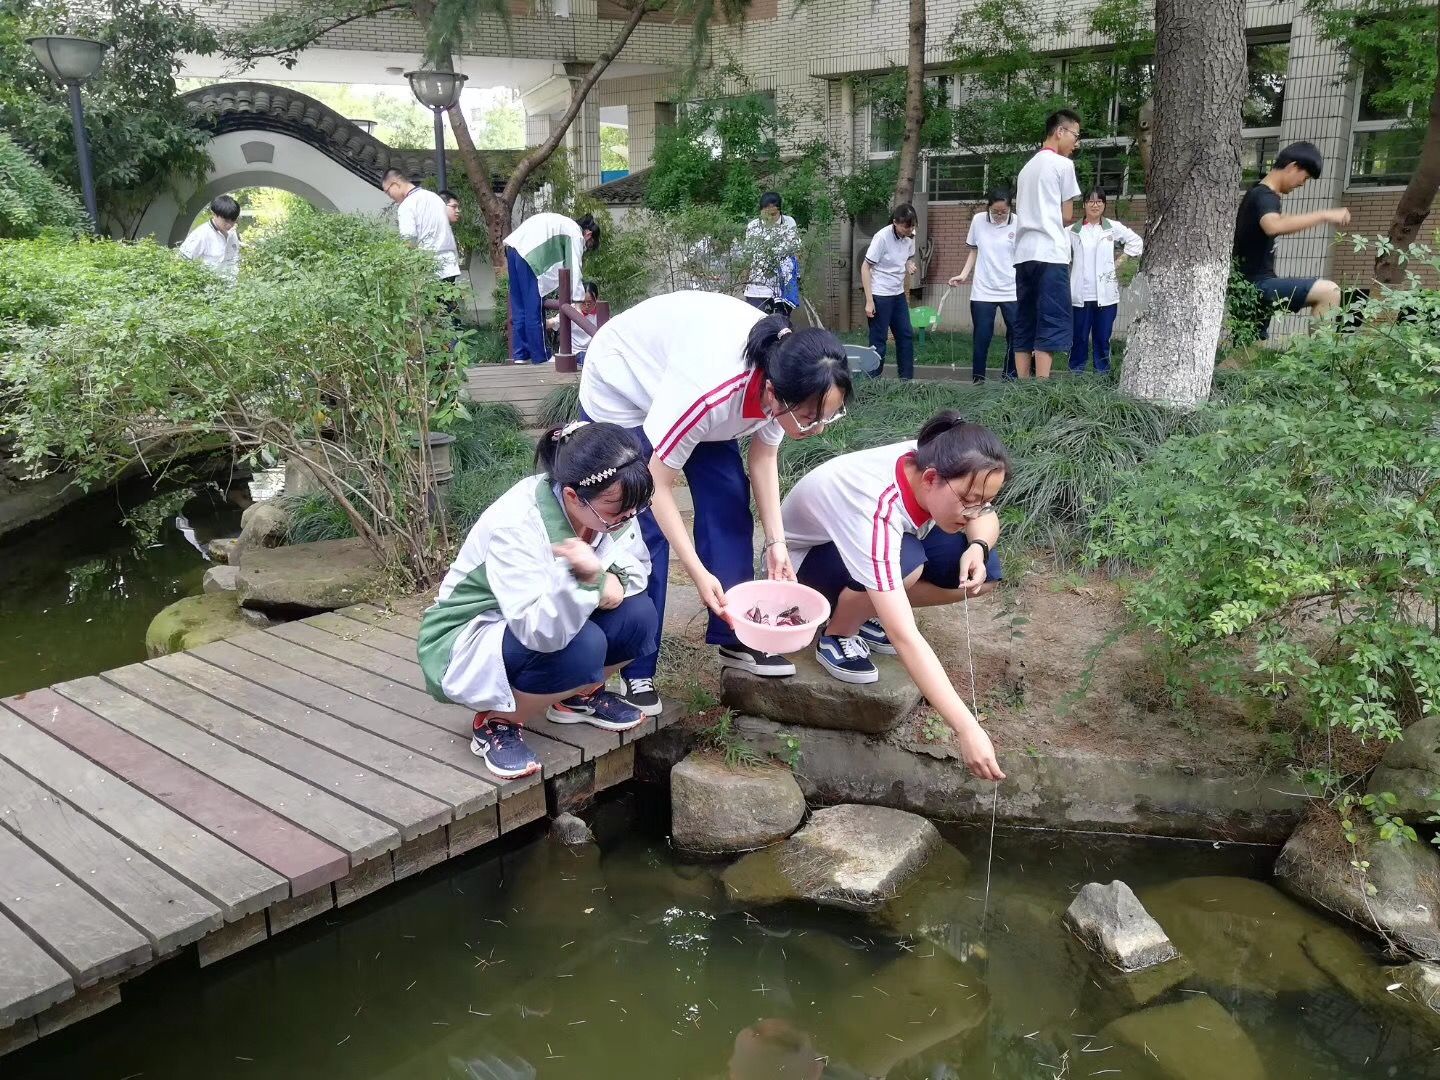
(1053, 672)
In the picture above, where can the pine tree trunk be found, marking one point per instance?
(914, 106)
(1419, 194)
(1191, 194)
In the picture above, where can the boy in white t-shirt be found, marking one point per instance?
(1044, 205)
(216, 244)
(889, 261)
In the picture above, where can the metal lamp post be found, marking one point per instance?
(74, 61)
(437, 90)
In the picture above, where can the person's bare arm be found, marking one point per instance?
(959, 279)
(865, 284)
(1288, 224)
(1067, 211)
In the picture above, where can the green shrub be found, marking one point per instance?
(560, 406)
(1292, 544)
(31, 200)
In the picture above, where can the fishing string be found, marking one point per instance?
(995, 792)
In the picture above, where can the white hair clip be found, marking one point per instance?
(783, 331)
(569, 429)
(597, 478)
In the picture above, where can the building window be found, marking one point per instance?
(1262, 107)
(958, 178)
(1384, 142)
(887, 117)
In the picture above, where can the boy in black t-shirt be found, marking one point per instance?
(1260, 221)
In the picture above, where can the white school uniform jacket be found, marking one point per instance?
(675, 365)
(1092, 266)
(549, 242)
(219, 251)
(506, 576)
(863, 504)
(423, 220)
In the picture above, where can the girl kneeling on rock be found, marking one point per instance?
(547, 598)
(880, 532)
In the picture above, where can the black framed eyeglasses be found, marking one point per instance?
(972, 511)
(620, 523)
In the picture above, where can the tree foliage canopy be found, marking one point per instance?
(32, 200)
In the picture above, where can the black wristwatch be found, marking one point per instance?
(983, 545)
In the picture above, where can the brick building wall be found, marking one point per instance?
(1370, 215)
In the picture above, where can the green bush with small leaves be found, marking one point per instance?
(31, 200)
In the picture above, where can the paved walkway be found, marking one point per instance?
(206, 800)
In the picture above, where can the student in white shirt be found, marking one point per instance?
(424, 221)
(547, 598)
(773, 238)
(1094, 286)
(889, 261)
(691, 374)
(991, 241)
(881, 532)
(216, 244)
(1044, 204)
(534, 255)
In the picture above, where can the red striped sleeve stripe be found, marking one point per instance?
(880, 538)
(696, 412)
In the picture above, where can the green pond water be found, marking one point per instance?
(528, 960)
(77, 595)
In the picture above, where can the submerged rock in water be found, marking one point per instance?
(716, 809)
(195, 621)
(1110, 920)
(310, 577)
(852, 857)
(1315, 865)
(1189, 1040)
(1238, 932)
(1410, 770)
(814, 698)
(570, 830)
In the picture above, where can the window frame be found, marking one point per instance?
(1254, 134)
(1360, 127)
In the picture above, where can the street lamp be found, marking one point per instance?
(74, 61)
(437, 90)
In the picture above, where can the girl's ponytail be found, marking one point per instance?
(802, 365)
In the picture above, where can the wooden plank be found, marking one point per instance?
(82, 1006)
(288, 913)
(521, 809)
(167, 912)
(615, 768)
(368, 791)
(232, 880)
(457, 792)
(400, 622)
(365, 879)
(555, 757)
(471, 832)
(377, 637)
(88, 939)
(30, 979)
(21, 1033)
(250, 930)
(422, 853)
(354, 832)
(423, 738)
(448, 720)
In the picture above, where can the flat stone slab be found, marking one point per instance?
(1190, 1040)
(1113, 922)
(315, 577)
(851, 857)
(717, 809)
(222, 578)
(812, 697)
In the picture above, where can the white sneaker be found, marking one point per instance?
(641, 694)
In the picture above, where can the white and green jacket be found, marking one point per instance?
(1092, 260)
(506, 576)
(548, 242)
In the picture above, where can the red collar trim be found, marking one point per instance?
(917, 512)
(750, 407)
(1048, 150)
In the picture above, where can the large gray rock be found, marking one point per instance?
(1196, 1039)
(1410, 770)
(715, 809)
(262, 525)
(1315, 865)
(1110, 920)
(222, 549)
(221, 579)
(812, 697)
(195, 621)
(310, 577)
(571, 831)
(852, 857)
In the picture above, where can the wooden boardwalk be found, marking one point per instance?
(198, 803)
(525, 387)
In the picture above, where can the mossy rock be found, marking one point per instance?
(196, 621)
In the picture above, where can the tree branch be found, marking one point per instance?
(278, 37)
(537, 157)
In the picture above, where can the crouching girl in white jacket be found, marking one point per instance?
(547, 598)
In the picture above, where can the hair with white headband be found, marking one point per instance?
(589, 457)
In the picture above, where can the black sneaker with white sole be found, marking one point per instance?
(875, 638)
(755, 661)
(641, 693)
(847, 658)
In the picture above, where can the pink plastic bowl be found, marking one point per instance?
(774, 597)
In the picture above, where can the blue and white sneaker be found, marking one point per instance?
(875, 638)
(846, 658)
(502, 747)
(601, 709)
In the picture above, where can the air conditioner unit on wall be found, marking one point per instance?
(867, 225)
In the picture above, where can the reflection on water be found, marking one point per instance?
(77, 595)
(618, 962)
